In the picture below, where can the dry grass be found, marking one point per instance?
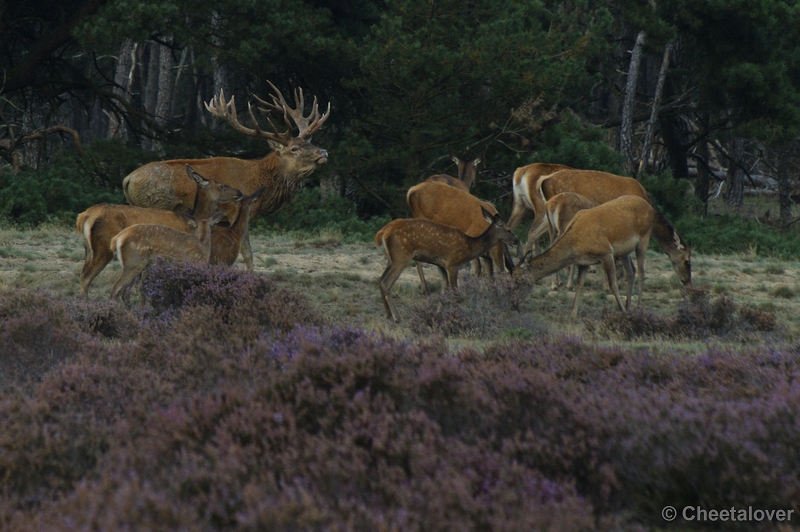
(341, 282)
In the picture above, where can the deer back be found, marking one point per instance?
(449, 206)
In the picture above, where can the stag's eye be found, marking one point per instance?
(295, 148)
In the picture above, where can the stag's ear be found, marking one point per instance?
(453, 156)
(276, 146)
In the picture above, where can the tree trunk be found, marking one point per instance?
(651, 124)
(784, 185)
(122, 79)
(734, 181)
(626, 128)
(166, 66)
(151, 83)
(220, 72)
(702, 182)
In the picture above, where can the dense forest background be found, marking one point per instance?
(700, 96)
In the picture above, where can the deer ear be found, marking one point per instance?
(487, 215)
(276, 146)
(257, 193)
(197, 178)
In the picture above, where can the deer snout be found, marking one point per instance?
(323, 157)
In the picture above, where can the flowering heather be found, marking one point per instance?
(186, 426)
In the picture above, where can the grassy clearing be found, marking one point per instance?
(339, 278)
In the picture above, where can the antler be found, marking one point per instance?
(306, 125)
(227, 112)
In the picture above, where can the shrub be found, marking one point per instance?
(236, 296)
(308, 212)
(697, 317)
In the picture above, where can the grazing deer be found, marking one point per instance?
(425, 241)
(139, 244)
(467, 170)
(601, 187)
(598, 235)
(162, 184)
(526, 182)
(226, 241)
(100, 223)
(559, 211)
(437, 202)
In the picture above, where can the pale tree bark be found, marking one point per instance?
(122, 82)
(626, 127)
(734, 181)
(784, 184)
(651, 123)
(166, 67)
(220, 72)
(151, 83)
(702, 181)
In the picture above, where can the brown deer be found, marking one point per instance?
(601, 187)
(226, 241)
(560, 210)
(100, 223)
(526, 182)
(139, 244)
(444, 204)
(467, 171)
(598, 235)
(163, 185)
(448, 248)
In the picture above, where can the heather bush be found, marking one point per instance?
(697, 317)
(36, 333)
(204, 420)
(236, 296)
(477, 309)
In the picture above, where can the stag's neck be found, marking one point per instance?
(282, 185)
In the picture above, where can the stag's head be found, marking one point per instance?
(298, 155)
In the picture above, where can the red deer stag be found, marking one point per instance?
(139, 244)
(100, 223)
(601, 187)
(467, 170)
(437, 202)
(448, 248)
(598, 235)
(226, 241)
(162, 184)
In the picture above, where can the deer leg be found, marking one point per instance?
(627, 263)
(517, 212)
(389, 277)
(452, 277)
(477, 269)
(126, 278)
(582, 271)
(641, 252)
(445, 279)
(95, 261)
(247, 252)
(422, 279)
(611, 273)
(488, 265)
(570, 272)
